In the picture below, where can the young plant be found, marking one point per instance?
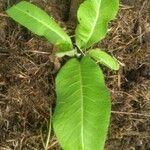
(83, 106)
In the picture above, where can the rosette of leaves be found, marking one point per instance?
(83, 105)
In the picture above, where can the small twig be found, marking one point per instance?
(45, 143)
(42, 138)
(3, 15)
(38, 52)
(52, 145)
(125, 7)
(128, 113)
(49, 132)
(4, 54)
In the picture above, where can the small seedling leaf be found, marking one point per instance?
(40, 23)
(104, 58)
(93, 17)
(70, 53)
(83, 106)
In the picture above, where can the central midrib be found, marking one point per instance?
(95, 22)
(82, 111)
(41, 23)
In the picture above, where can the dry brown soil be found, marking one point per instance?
(28, 68)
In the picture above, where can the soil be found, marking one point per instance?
(28, 68)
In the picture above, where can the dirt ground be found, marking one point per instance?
(27, 72)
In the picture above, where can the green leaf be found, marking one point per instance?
(70, 53)
(40, 23)
(93, 17)
(83, 106)
(104, 59)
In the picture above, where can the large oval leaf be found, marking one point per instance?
(40, 23)
(93, 17)
(83, 106)
(104, 58)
